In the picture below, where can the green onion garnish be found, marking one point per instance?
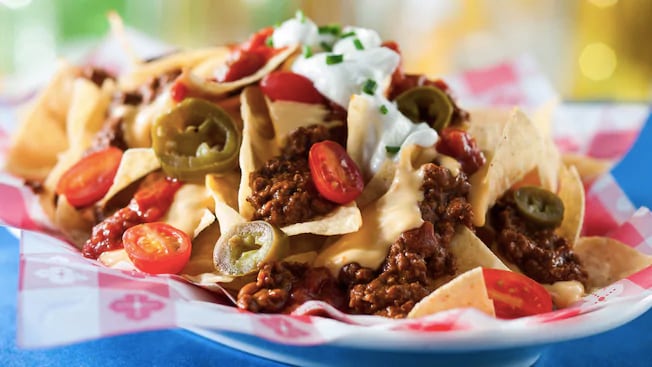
(358, 44)
(333, 29)
(369, 87)
(347, 34)
(334, 59)
(392, 150)
(299, 15)
(326, 46)
(269, 41)
(383, 109)
(307, 51)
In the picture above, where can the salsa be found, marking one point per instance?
(150, 203)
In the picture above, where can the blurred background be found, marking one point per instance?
(589, 49)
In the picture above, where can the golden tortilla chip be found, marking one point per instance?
(258, 144)
(202, 62)
(518, 152)
(486, 126)
(571, 193)
(208, 88)
(466, 290)
(470, 252)
(88, 107)
(135, 164)
(550, 161)
(589, 168)
(187, 209)
(41, 135)
(75, 224)
(565, 293)
(344, 219)
(287, 116)
(607, 260)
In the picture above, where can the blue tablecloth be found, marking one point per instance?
(629, 345)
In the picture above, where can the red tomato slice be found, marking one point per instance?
(89, 179)
(288, 86)
(335, 174)
(516, 295)
(157, 248)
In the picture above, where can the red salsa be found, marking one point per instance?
(250, 56)
(150, 203)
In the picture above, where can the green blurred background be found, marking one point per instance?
(590, 49)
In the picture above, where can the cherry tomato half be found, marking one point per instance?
(88, 180)
(335, 174)
(288, 86)
(157, 248)
(515, 295)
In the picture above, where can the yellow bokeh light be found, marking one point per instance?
(603, 3)
(598, 61)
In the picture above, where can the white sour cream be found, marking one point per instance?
(296, 31)
(368, 39)
(371, 132)
(338, 82)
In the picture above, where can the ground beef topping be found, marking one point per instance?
(538, 252)
(419, 256)
(96, 75)
(283, 286)
(283, 192)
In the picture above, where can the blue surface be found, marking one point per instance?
(629, 345)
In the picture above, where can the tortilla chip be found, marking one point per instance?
(116, 259)
(550, 162)
(518, 152)
(202, 62)
(565, 293)
(135, 164)
(208, 88)
(287, 116)
(344, 219)
(589, 168)
(41, 135)
(378, 185)
(186, 211)
(486, 126)
(258, 144)
(76, 225)
(88, 107)
(607, 260)
(383, 221)
(470, 252)
(200, 268)
(467, 290)
(571, 193)
(226, 214)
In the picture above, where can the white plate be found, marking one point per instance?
(507, 344)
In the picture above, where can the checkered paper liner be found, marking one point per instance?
(66, 298)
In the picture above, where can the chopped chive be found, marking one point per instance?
(369, 87)
(333, 29)
(302, 17)
(391, 149)
(307, 51)
(347, 34)
(383, 109)
(358, 44)
(269, 41)
(326, 46)
(277, 24)
(334, 59)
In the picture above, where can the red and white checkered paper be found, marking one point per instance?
(65, 298)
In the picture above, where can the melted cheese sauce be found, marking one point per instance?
(137, 125)
(382, 222)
